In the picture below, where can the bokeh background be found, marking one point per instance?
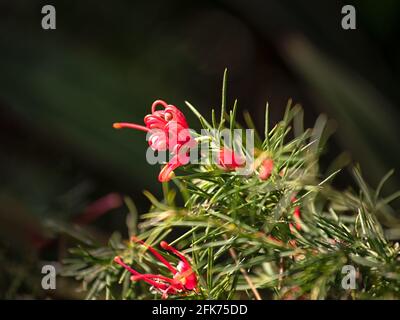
(62, 164)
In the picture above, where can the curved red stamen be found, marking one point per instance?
(154, 276)
(156, 103)
(121, 125)
(119, 260)
(166, 246)
(156, 254)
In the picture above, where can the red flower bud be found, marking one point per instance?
(265, 169)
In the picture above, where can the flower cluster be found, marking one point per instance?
(167, 131)
(183, 279)
(261, 219)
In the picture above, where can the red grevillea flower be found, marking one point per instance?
(183, 280)
(230, 160)
(168, 130)
(266, 168)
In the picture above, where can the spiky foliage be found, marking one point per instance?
(238, 230)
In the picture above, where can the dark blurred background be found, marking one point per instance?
(60, 91)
